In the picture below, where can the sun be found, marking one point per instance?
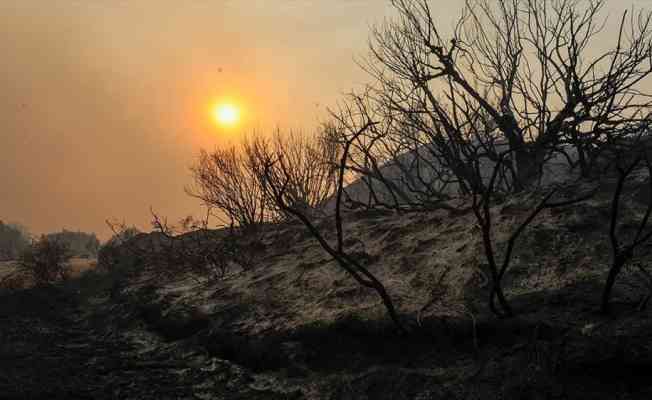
(226, 114)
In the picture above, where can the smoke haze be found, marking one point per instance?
(104, 104)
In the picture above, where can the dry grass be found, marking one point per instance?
(431, 264)
(6, 268)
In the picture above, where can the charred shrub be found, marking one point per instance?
(46, 260)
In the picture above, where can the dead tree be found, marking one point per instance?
(189, 247)
(275, 175)
(513, 89)
(513, 76)
(390, 164)
(623, 251)
(225, 181)
(311, 179)
(46, 260)
(194, 248)
(482, 209)
(520, 70)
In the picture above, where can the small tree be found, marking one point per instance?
(276, 172)
(311, 173)
(47, 261)
(113, 252)
(225, 180)
(193, 247)
(482, 209)
(629, 158)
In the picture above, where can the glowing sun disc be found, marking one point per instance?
(227, 114)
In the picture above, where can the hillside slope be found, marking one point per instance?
(297, 320)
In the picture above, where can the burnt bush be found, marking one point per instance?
(115, 254)
(46, 260)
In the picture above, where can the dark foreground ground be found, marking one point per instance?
(71, 342)
(291, 325)
(78, 342)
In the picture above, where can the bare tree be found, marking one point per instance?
(118, 250)
(192, 247)
(225, 181)
(46, 260)
(482, 210)
(623, 251)
(276, 176)
(389, 164)
(515, 73)
(311, 172)
(494, 108)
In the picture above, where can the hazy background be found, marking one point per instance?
(104, 104)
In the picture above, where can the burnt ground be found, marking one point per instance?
(72, 342)
(294, 326)
(75, 341)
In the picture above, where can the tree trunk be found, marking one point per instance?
(617, 265)
(528, 167)
(391, 310)
(497, 291)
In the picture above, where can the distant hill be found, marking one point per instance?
(411, 175)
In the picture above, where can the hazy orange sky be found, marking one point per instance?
(104, 104)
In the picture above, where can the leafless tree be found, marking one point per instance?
(225, 181)
(389, 164)
(630, 159)
(515, 88)
(190, 248)
(46, 260)
(311, 162)
(276, 176)
(482, 210)
(519, 74)
(118, 250)
(193, 247)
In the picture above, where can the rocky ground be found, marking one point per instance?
(292, 326)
